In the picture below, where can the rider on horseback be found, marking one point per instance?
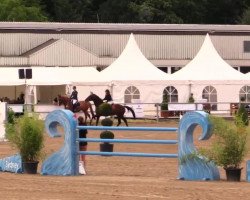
(107, 97)
(74, 98)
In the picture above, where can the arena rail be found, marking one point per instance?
(65, 161)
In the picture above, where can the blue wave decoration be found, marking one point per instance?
(64, 161)
(193, 166)
(11, 164)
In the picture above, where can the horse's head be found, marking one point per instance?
(90, 97)
(63, 100)
(96, 99)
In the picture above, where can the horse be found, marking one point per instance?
(117, 109)
(81, 106)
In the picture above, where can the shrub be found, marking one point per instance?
(241, 117)
(107, 135)
(10, 116)
(104, 109)
(164, 104)
(230, 144)
(107, 122)
(26, 134)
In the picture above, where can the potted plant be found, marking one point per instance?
(26, 135)
(229, 146)
(104, 109)
(106, 146)
(164, 106)
(191, 98)
(241, 116)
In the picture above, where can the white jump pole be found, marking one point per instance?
(3, 115)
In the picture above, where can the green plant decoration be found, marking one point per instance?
(241, 117)
(26, 134)
(164, 104)
(191, 98)
(107, 122)
(104, 109)
(10, 116)
(229, 146)
(107, 135)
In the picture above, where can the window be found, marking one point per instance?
(172, 93)
(210, 93)
(245, 93)
(246, 46)
(131, 93)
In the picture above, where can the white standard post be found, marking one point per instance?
(3, 113)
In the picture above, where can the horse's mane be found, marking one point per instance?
(96, 97)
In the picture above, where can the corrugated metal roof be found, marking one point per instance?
(40, 47)
(121, 27)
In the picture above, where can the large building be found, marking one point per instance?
(167, 46)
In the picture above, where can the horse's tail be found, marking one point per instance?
(131, 109)
(91, 111)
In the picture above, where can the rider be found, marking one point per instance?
(74, 98)
(107, 97)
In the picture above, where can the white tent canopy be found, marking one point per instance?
(133, 65)
(9, 77)
(208, 66)
(48, 76)
(209, 70)
(85, 76)
(65, 76)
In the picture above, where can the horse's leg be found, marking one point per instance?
(90, 119)
(125, 120)
(86, 117)
(119, 121)
(97, 120)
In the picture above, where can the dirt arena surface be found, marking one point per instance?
(125, 178)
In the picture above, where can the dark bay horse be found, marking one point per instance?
(81, 106)
(117, 109)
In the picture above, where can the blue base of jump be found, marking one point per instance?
(65, 161)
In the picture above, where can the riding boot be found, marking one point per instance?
(74, 108)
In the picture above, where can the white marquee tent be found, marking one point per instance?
(51, 81)
(47, 82)
(132, 68)
(209, 69)
(10, 84)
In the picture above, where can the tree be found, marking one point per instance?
(224, 11)
(116, 11)
(190, 11)
(15, 10)
(246, 17)
(155, 11)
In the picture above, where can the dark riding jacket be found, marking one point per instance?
(108, 98)
(74, 95)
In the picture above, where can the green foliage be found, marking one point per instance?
(104, 109)
(107, 135)
(191, 99)
(127, 11)
(229, 145)
(107, 122)
(246, 16)
(164, 104)
(26, 134)
(241, 117)
(17, 10)
(10, 116)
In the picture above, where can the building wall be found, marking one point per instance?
(163, 48)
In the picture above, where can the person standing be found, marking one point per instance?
(74, 98)
(82, 146)
(107, 97)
